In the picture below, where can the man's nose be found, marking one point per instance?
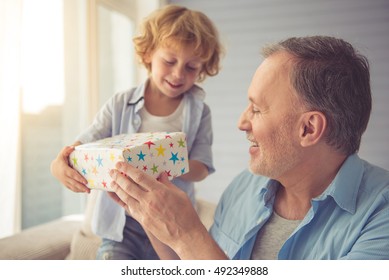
(243, 123)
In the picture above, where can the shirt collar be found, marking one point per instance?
(138, 95)
(269, 190)
(198, 92)
(344, 188)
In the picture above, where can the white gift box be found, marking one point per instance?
(153, 153)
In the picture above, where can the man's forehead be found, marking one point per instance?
(270, 78)
(266, 74)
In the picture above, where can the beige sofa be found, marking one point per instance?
(69, 237)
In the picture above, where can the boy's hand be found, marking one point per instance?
(69, 177)
(197, 171)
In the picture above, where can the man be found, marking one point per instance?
(307, 195)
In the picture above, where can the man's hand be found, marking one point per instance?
(163, 210)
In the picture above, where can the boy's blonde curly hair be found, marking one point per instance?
(176, 26)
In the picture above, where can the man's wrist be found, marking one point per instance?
(198, 245)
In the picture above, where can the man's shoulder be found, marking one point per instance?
(359, 173)
(375, 178)
(375, 170)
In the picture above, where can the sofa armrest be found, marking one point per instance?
(50, 241)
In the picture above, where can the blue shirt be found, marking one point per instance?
(120, 114)
(349, 220)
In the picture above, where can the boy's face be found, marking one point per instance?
(174, 70)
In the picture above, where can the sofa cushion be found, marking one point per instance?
(50, 241)
(85, 243)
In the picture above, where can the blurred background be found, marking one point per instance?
(60, 60)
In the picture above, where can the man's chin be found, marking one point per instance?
(257, 170)
(254, 169)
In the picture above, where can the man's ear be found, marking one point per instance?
(312, 128)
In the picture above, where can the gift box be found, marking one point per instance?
(152, 153)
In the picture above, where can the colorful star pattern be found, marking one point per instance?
(181, 143)
(99, 161)
(174, 158)
(141, 156)
(149, 143)
(154, 168)
(161, 151)
(152, 153)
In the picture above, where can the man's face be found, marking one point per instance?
(271, 119)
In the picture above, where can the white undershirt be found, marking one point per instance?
(170, 123)
(272, 236)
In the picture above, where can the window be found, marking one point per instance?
(116, 65)
(42, 83)
(66, 58)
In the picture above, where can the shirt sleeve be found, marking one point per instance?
(373, 242)
(101, 126)
(216, 231)
(224, 220)
(202, 146)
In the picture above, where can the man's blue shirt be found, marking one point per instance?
(349, 220)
